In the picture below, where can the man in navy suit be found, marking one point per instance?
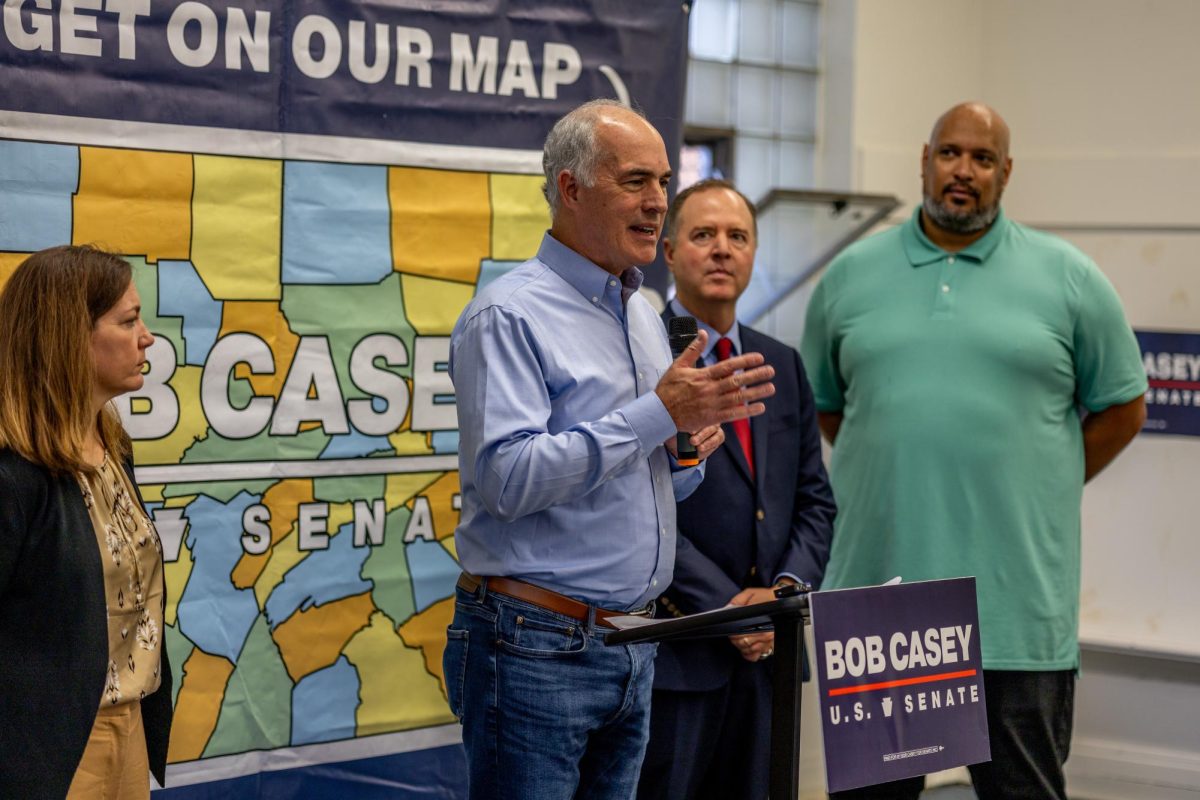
(762, 517)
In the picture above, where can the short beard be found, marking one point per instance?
(953, 221)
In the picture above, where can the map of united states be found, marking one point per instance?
(295, 440)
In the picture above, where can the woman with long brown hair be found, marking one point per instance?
(85, 688)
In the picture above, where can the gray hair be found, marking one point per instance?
(571, 146)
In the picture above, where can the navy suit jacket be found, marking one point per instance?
(736, 532)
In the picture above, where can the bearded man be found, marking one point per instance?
(972, 374)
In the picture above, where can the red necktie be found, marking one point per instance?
(740, 426)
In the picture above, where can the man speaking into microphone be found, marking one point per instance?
(568, 405)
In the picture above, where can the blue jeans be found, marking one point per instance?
(548, 712)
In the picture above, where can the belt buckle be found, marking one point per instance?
(645, 611)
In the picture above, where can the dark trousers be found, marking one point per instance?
(712, 745)
(1029, 724)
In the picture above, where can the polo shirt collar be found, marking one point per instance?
(921, 251)
(585, 276)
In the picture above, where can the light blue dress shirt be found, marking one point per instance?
(565, 480)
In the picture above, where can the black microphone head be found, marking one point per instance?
(680, 333)
(682, 326)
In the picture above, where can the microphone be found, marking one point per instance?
(682, 332)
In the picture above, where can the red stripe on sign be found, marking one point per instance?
(1156, 384)
(870, 687)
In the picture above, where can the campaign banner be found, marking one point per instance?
(309, 193)
(468, 74)
(1172, 361)
(900, 678)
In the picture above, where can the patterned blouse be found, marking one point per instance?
(133, 583)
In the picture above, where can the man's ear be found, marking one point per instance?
(568, 187)
(1008, 165)
(669, 253)
(924, 161)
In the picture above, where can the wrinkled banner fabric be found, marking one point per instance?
(309, 193)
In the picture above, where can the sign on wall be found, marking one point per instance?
(309, 193)
(900, 679)
(1172, 361)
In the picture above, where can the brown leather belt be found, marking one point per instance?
(542, 598)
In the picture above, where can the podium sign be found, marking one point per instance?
(900, 679)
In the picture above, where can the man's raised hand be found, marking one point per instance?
(731, 389)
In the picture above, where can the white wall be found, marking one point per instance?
(753, 72)
(1103, 99)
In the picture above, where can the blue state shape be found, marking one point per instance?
(37, 182)
(490, 269)
(181, 293)
(444, 442)
(213, 613)
(325, 704)
(336, 224)
(324, 576)
(433, 572)
(356, 445)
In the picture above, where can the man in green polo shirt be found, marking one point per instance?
(950, 358)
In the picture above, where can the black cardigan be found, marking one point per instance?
(54, 635)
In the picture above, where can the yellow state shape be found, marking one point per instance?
(427, 631)
(191, 426)
(441, 498)
(282, 500)
(134, 202)
(175, 577)
(266, 321)
(384, 662)
(411, 443)
(519, 216)
(8, 265)
(432, 306)
(451, 547)
(198, 705)
(236, 222)
(313, 638)
(151, 493)
(441, 222)
(339, 515)
(401, 487)
(284, 555)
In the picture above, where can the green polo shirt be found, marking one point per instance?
(961, 452)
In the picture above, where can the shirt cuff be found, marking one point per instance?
(648, 418)
(798, 580)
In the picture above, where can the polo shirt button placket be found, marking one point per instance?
(943, 304)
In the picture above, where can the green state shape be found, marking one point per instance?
(214, 448)
(346, 315)
(179, 649)
(145, 278)
(348, 489)
(256, 712)
(387, 568)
